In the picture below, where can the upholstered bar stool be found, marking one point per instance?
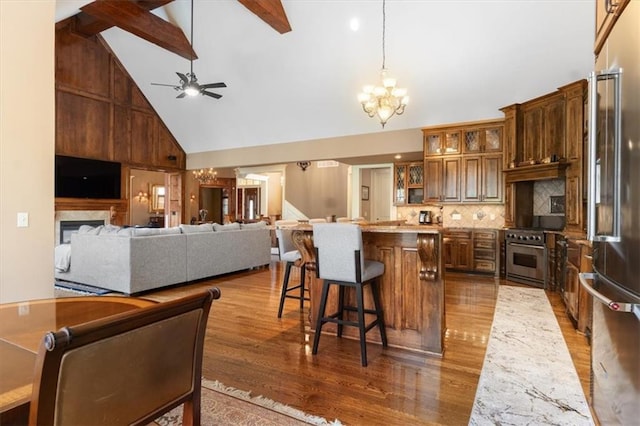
(340, 261)
(292, 257)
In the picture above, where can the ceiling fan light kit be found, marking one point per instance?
(385, 100)
(189, 82)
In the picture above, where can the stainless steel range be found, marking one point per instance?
(526, 256)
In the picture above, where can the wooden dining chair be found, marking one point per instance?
(126, 369)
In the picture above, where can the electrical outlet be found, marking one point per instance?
(23, 220)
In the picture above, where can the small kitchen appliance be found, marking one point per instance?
(425, 217)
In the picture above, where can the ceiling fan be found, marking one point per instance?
(189, 85)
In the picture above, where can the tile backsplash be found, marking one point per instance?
(458, 215)
(543, 190)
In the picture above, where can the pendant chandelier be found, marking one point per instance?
(205, 176)
(385, 100)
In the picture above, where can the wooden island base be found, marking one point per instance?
(412, 287)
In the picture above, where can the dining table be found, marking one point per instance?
(23, 326)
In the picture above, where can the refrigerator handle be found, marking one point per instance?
(594, 78)
(614, 306)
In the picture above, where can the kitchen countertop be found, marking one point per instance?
(395, 229)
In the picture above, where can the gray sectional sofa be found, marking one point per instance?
(134, 260)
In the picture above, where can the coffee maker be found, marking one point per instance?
(425, 217)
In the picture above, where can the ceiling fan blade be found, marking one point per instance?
(168, 85)
(212, 85)
(213, 95)
(181, 95)
(183, 77)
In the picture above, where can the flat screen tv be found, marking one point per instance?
(84, 178)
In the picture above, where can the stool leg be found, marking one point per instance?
(375, 290)
(361, 325)
(302, 273)
(319, 321)
(285, 284)
(340, 311)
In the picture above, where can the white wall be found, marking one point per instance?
(27, 143)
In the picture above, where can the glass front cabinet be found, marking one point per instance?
(409, 183)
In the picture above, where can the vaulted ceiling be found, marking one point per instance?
(460, 60)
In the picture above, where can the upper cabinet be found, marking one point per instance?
(463, 162)
(483, 139)
(543, 128)
(409, 183)
(607, 12)
(442, 142)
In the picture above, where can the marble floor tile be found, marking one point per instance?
(528, 377)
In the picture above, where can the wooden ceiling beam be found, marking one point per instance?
(90, 25)
(270, 11)
(133, 17)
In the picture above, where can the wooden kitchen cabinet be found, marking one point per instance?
(482, 178)
(444, 142)
(576, 141)
(577, 300)
(442, 180)
(483, 139)
(607, 12)
(473, 176)
(544, 127)
(485, 251)
(409, 183)
(457, 249)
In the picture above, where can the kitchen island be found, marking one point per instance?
(412, 287)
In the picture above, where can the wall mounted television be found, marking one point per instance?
(85, 178)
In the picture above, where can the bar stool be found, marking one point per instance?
(292, 257)
(339, 261)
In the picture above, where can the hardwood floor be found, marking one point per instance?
(249, 348)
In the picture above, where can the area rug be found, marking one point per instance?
(226, 406)
(528, 376)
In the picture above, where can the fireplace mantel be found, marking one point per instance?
(117, 207)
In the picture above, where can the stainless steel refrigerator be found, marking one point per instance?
(614, 223)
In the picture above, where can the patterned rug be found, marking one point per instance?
(528, 376)
(226, 406)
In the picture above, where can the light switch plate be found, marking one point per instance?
(23, 220)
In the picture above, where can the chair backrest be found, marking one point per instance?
(336, 247)
(128, 368)
(285, 242)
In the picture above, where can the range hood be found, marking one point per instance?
(535, 172)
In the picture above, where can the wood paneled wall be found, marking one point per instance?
(102, 114)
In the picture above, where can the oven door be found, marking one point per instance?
(526, 263)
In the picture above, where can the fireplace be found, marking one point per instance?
(68, 227)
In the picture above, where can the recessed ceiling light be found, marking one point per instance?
(397, 156)
(354, 24)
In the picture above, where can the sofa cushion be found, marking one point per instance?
(255, 225)
(228, 227)
(191, 229)
(126, 232)
(109, 229)
(89, 230)
(143, 232)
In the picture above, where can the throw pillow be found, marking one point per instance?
(109, 229)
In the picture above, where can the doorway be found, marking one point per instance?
(211, 200)
(249, 203)
(380, 197)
